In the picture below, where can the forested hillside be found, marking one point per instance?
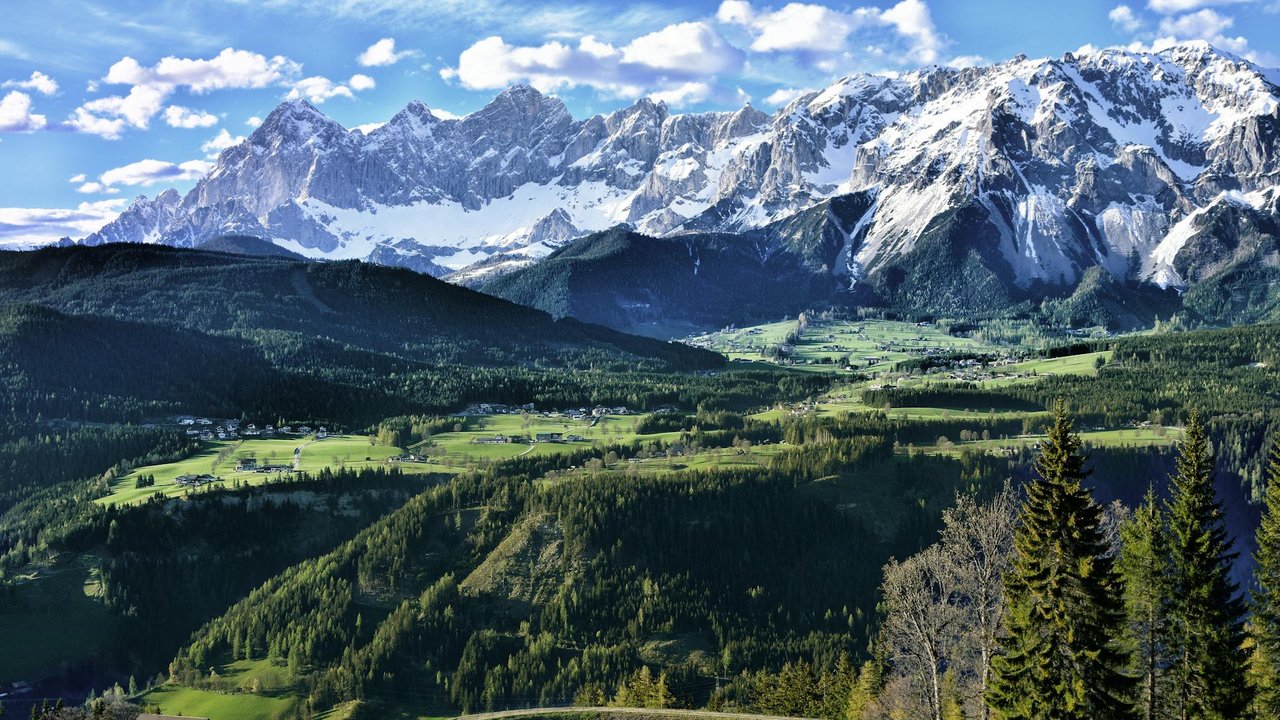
(660, 529)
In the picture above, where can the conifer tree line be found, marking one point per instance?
(1054, 607)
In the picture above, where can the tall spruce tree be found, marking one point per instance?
(1063, 657)
(1206, 609)
(1145, 569)
(1266, 598)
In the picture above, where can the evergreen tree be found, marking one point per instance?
(866, 689)
(1266, 599)
(1062, 660)
(1144, 565)
(1207, 612)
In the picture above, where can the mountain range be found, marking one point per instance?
(942, 189)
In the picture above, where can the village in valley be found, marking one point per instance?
(244, 452)
(873, 354)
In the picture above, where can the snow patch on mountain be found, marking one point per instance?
(1099, 159)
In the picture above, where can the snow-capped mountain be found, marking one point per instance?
(1101, 159)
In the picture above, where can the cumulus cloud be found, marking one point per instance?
(96, 188)
(228, 69)
(77, 178)
(382, 53)
(668, 63)
(253, 122)
(912, 20)
(181, 117)
(1123, 17)
(38, 81)
(782, 96)
(818, 33)
(360, 83)
(967, 61)
(220, 142)
(318, 88)
(691, 47)
(1203, 24)
(149, 172)
(110, 116)
(29, 227)
(687, 93)
(16, 114)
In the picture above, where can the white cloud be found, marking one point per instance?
(446, 115)
(39, 82)
(149, 172)
(821, 34)
(684, 47)
(367, 128)
(78, 178)
(666, 62)
(1203, 24)
(220, 142)
(360, 83)
(253, 122)
(178, 116)
(912, 20)
(318, 89)
(28, 227)
(109, 116)
(796, 27)
(687, 93)
(228, 69)
(1173, 7)
(968, 61)
(96, 188)
(85, 121)
(735, 12)
(1123, 17)
(16, 115)
(150, 86)
(782, 96)
(382, 53)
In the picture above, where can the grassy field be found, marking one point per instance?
(449, 452)
(219, 459)
(1083, 364)
(1145, 436)
(275, 698)
(460, 449)
(866, 345)
(179, 700)
(52, 615)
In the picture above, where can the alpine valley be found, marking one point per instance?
(950, 394)
(939, 190)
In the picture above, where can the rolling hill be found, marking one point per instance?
(129, 331)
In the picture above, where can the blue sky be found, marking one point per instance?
(102, 101)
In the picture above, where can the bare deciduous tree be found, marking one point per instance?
(921, 621)
(978, 541)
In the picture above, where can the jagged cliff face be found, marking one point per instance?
(1055, 166)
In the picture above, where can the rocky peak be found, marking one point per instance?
(1070, 161)
(169, 197)
(415, 113)
(746, 121)
(520, 106)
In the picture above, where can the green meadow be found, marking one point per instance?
(273, 697)
(220, 458)
(865, 345)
